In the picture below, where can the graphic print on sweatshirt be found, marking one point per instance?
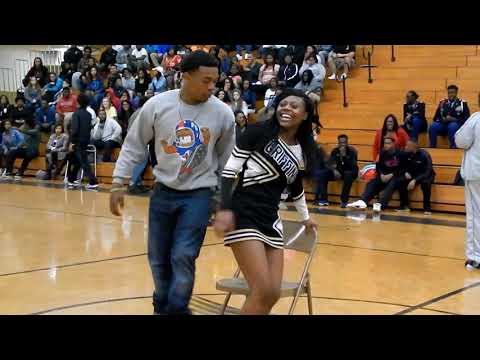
(190, 142)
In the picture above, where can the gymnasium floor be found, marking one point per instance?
(62, 252)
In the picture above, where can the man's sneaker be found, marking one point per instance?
(427, 212)
(359, 204)
(321, 203)
(377, 207)
(472, 265)
(72, 185)
(332, 77)
(343, 205)
(91, 187)
(344, 76)
(17, 177)
(403, 209)
(7, 177)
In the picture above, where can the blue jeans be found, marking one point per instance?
(418, 126)
(438, 128)
(178, 222)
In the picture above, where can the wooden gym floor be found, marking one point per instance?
(62, 252)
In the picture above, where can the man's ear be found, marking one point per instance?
(186, 75)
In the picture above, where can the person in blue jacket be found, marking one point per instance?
(53, 87)
(96, 88)
(10, 140)
(45, 116)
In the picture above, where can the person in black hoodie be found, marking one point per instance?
(108, 57)
(73, 56)
(391, 168)
(5, 111)
(341, 166)
(20, 113)
(79, 140)
(288, 74)
(38, 71)
(420, 172)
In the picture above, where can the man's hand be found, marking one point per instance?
(117, 196)
(450, 118)
(310, 225)
(337, 174)
(411, 185)
(71, 147)
(408, 176)
(224, 222)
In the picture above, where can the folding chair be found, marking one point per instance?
(296, 239)
(92, 150)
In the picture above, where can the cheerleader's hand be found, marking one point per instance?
(310, 225)
(224, 222)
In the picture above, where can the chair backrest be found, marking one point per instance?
(295, 237)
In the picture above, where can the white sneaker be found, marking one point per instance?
(332, 77)
(72, 185)
(344, 76)
(7, 177)
(377, 207)
(91, 187)
(359, 204)
(17, 178)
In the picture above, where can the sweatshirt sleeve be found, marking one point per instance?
(133, 148)
(427, 170)
(464, 137)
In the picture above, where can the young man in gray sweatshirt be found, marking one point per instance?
(468, 138)
(194, 136)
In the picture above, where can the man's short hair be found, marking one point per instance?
(83, 100)
(452, 87)
(342, 136)
(196, 59)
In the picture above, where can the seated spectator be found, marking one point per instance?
(159, 83)
(106, 135)
(317, 69)
(108, 108)
(124, 57)
(268, 71)
(234, 74)
(223, 96)
(419, 172)
(12, 139)
(124, 116)
(117, 90)
(72, 56)
(82, 66)
(142, 82)
(341, 57)
(451, 114)
(148, 94)
(108, 57)
(390, 176)
(249, 96)
(311, 50)
(392, 130)
(169, 63)
(45, 116)
(56, 152)
(271, 92)
(5, 111)
(65, 107)
(323, 51)
(298, 53)
(54, 86)
(224, 61)
(33, 94)
(140, 58)
(241, 122)
(66, 72)
(128, 81)
(238, 104)
(38, 71)
(310, 85)
(414, 121)
(228, 87)
(289, 72)
(250, 67)
(342, 166)
(156, 53)
(20, 113)
(28, 150)
(113, 75)
(91, 62)
(95, 88)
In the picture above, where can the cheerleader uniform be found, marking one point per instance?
(261, 176)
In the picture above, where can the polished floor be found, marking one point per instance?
(62, 252)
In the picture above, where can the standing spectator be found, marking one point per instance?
(142, 82)
(341, 56)
(317, 69)
(124, 116)
(124, 57)
(468, 138)
(414, 121)
(139, 58)
(249, 96)
(33, 94)
(12, 139)
(392, 130)
(419, 172)
(73, 56)
(390, 176)
(240, 123)
(451, 114)
(5, 111)
(82, 66)
(238, 104)
(268, 70)
(310, 85)
(271, 92)
(169, 63)
(45, 116)
(79, 141)
(56, 152)
(66, 106)
(66, 72)
(28, 150)
(288, 74)
(95, 88)
(54, 86)
(343, 166)
(20, 113)
(106, 135)
(38, 71)
(159, 83)
(108, 57)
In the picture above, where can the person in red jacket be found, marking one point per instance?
(65, 108)
(390, 129)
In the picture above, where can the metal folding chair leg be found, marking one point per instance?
(225, 304)
(309, 296)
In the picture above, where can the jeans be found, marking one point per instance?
(19, 153)
(178, 222)
(322, 177)
(107, 147)
(438, 128)
(375, 186)
(417, 126)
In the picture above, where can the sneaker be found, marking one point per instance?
(344, 76)
(17, 177)
(7, 177)
(472, 265)
(321, 203)
(377, 207)
(332, 77)
(343, 205)
(359, 204)
(72, 185)
(403, 209)
(91, 187)
(427, 212)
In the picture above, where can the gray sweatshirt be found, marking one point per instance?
(192, 142)
(468, 138)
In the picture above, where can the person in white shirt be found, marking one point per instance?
(468, 138)
(106, 135)
(140, 56)
(271, 91)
